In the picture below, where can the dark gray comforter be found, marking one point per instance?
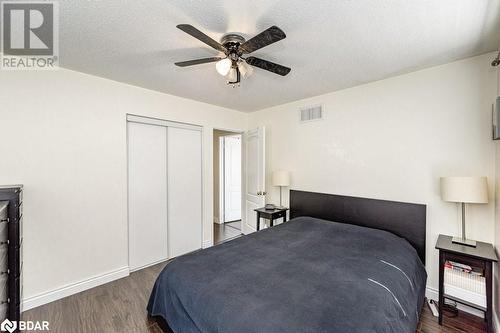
(307, 275)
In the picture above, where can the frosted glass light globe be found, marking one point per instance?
(223, 66)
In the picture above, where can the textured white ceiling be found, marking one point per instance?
(330, 45)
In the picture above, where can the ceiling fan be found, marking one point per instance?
(233, 64)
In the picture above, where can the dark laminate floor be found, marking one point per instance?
(120, 306)
(463, 323)
(234, 224)
(226, 231)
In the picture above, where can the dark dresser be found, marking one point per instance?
(11, 276)
(4, 268)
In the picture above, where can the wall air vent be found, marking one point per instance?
(311, 113)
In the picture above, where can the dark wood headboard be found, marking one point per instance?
(405, 220)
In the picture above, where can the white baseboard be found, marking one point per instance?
(433, 293)
(206, 243)
(247, 229)
(148, 265)
(73, 288)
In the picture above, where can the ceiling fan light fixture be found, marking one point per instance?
(245, 69)
(232, 75)
(223, 66)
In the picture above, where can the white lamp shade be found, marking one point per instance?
(281, 178)
(223, 66)
(245, 69)
(464, 189)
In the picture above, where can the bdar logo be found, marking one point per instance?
(8, 326)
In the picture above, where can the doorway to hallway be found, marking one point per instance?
(227, 185)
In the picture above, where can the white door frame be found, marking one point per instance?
(221, 180)
(165, 123)
(243, 175)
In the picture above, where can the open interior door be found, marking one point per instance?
(255, 195)
(231, 171)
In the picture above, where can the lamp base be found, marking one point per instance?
(463, 241)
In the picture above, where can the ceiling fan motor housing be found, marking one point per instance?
(232, 42)
(232, 39)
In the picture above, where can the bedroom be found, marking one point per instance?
(406, 89)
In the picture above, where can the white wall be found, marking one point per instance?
(393, 139)
(63, 135)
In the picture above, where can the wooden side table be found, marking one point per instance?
(270, 214)
(482, 256)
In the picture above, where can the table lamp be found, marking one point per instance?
(281, 178)
(465, 190)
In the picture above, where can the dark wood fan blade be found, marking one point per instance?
(189, 29)
(268, 66)
(197, 61)
(265, 38)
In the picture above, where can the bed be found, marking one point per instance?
(341, 264)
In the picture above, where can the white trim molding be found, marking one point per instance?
(162, 122)
(148, 265)
(207, 243)
(73, 288)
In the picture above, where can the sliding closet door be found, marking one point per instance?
(184, 191)
(147, 193)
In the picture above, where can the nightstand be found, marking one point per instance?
(270, 214)
(482, 256)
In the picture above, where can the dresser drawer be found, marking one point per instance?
(15, 232)
(4, 230)
(15, 260)
(15, 312)
(4, 309)
(4, 258)
(4, 221)
(4, 295)
(4, 210)
(15, 288)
